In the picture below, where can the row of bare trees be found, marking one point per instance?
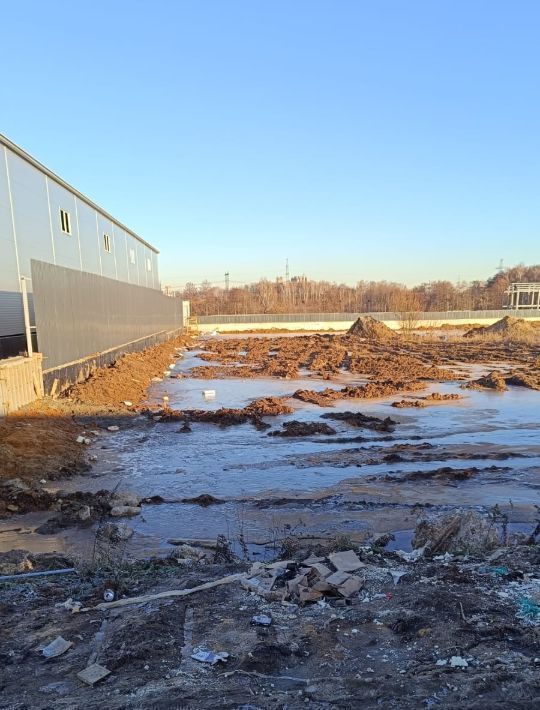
(302, 295)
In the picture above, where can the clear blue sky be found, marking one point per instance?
(395, 139)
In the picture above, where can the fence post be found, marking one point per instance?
(26, 312)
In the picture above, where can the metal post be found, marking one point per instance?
(26, 312)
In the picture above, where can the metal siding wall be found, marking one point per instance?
(11, 313)
(154, 257)
(66, 246)
(36, 201)
(141, 259)
(80, 314)
(108, 267)
(31, 213)
(121, 256)
(148, 262)
(133, 268)
(88, 236)
(9, 273)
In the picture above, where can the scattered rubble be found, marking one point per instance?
(458, 532)
(56, 648)
(93, 674)
(309, 581)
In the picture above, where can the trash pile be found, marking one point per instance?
(309, 581)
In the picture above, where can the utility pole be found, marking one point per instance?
(226, 281)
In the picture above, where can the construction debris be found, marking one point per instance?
(56, 647)
(460, 532)
(93, 674)
(172, 593)
(210, 657)
(308, 581)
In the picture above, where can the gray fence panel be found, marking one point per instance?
(79, 314)
(329, 317)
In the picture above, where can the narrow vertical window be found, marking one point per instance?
(107, 242)
(132, 255)
(65, 222)
(148, 265)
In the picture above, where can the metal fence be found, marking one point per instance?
(341, 317)
(80, 315)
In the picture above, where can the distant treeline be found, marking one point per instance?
(303, 295)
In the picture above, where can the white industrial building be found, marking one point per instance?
(44, 218)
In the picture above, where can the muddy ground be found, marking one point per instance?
(457, 630)
(40, 441)
(390, 645)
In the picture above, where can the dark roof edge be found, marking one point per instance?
(29, 159)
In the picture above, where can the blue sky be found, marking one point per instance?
(390, 139)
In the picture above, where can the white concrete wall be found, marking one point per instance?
(336, 325)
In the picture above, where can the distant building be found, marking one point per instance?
(523, 295)
(44, 218)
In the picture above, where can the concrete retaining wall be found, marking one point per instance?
(342, 325)
(21, 382)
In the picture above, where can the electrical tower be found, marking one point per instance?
(500, 268)
(286, 271)
(226, 281)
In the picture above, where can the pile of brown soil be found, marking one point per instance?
(406, 403)
(371, 390)
(228, 416)
(296, 428)
(438, 397)
(493, 381)
(39, 442)
(424, 401)
(507, 327)
(361, 421)
(518, 379)
(371, 329)
(127, 379)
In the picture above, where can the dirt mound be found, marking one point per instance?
(359, 420)
(508, 327)
(40, 442)
(438, 397)
(493, 381)
(127, 379)
(371, 390)
(226, 416)
(407, 403)
(296, 428)
(371, 329)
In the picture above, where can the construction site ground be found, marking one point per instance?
(279, 447)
